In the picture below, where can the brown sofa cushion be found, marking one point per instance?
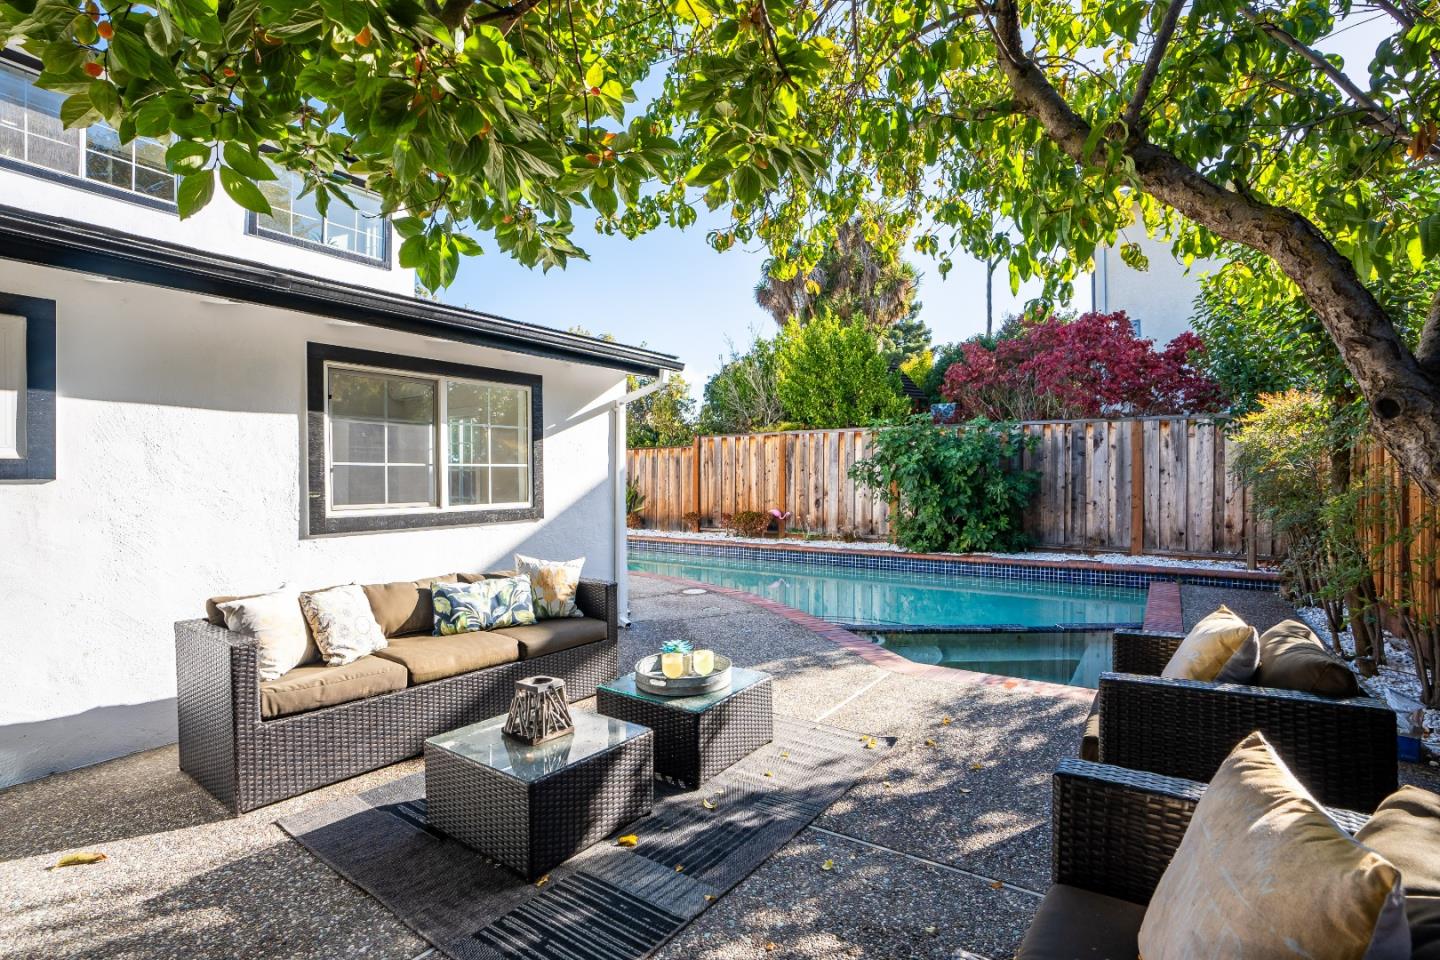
(434, 658)
(1406, 831)
(312, 686)
(404, 606)
(1076, 924)
(488, 575)
(1293, 658)
(552, 636)
(1423, 915)
(1090, 739)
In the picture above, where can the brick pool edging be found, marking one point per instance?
(878, 655)
(1075, 571)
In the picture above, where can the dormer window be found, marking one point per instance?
(361, 233)
(32, 138)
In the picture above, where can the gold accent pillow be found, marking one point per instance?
(1208, 647)
(1263, 873)
(282, 641)
(552, 585)
(345, 627)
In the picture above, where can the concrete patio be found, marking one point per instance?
(941, 851)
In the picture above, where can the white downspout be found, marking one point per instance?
(619, 474)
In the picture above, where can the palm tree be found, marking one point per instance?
(854, 278)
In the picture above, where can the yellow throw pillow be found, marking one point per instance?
(1262, 872)
(1208, 647)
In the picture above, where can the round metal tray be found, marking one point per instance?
(650, 679)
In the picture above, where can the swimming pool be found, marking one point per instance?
(1075, 658)
(881, 597)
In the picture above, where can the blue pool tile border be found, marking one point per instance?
(902, 563)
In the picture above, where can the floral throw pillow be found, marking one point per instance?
(343, 623)
(553, 585)
(482, 605)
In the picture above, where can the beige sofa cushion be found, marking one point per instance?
(343, 624)
(1090, 739)
(1263, 872)
(282, 639)
(552, 636)
(313, 686)
(1208, 647)
(1405, 830)
(1077, 924)
(429, 658)
(1293, 658)
(404, 606)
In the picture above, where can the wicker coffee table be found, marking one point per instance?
(697, 737)
(532, 808)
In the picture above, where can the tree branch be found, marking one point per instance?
(1428, 350)
(1152, 64)
(453, 13)
(1403, 397)
(1382, 117)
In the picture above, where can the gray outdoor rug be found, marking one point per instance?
(610, 902)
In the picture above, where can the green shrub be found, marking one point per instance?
(954, 488)
(748, 523)
(830, 373)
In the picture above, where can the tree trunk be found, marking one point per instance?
(1403, 396)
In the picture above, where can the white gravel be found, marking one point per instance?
(875, 546)
(1396, 675)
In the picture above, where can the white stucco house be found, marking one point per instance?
(232, 404)
(1159, 300)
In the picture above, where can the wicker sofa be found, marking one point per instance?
(246, 760)
(1343, 750)
(1114, 833)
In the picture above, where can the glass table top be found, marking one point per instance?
(740, 679)
(485, 742)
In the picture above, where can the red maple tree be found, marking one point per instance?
(1093, 366)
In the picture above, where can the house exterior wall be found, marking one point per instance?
(180, 474)
(1161, 298)
(219, 228)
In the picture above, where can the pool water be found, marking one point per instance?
(1075, 658)
(869, 597)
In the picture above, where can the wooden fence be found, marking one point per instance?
(1145, 485)
(1401, 530)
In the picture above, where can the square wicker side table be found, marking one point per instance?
(532, 808)
(697, 737)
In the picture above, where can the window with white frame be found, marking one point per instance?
(32, 133)
(401, 441)
(294, 215)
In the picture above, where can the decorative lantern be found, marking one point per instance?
(538, 712)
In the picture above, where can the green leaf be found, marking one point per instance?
(1430, 235)
(195, 191)
(104, 97)
(188, 156)
(248, 163)
(78, 111)
(412, 251)
(243, 191)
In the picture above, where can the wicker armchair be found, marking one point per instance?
(247, 762)
(1343, 750)
(1114, 833)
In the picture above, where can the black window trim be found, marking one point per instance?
(75, 181)
(253, 229)
(323, 523)
(38, 464)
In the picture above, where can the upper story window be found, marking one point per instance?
(404, 442)
(360, 232)
(31, 133)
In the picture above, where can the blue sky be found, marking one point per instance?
(670, 291)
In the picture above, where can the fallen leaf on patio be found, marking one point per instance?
(709, 896)
(708, 804)
(964, 789)
(679, 868)
(770, 947)
(997, 885)
(887, 785)
(932, 930)
(785, 754)
(977, 766)
(629, 840)
(769, 774)
(79, 859)
(828, 865)
(945, 721)
(543, 880)
(930, 742)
